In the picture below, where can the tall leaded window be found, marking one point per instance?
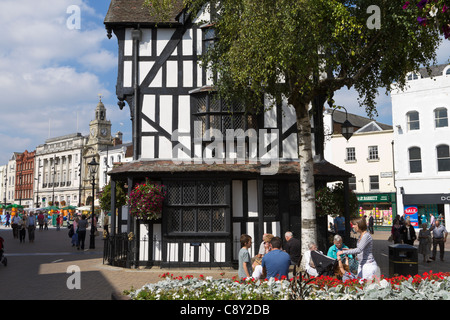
(195, 207)
(443, 157)
(213, 116)
(270, 199)
(415, 160)
(413, 120)
(440, 118)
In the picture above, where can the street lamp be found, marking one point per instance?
(93, 167)
(346, 127)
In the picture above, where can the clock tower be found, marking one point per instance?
(99, 138)
(100, 128)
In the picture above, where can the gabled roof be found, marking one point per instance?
(370, 127)
(355, 120)
(132, 12)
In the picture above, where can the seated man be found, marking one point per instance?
(276, 262)
(292, 247)
(337, 246)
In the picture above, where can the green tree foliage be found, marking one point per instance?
(105, 197)
(331, 201)
(302, 49)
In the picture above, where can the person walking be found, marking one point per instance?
(22, 226)
(368, 267)
(74, 228)
(31, 226)
(245, 262)
(395, 231)
(339, 225)
(58, 222)
(8, 217)
(15, 221)
(425, 242)
(106, 225)
(439, 238)
(371, 224)
(46, 221)
(40, 219)
(408, 233)
(83, 224)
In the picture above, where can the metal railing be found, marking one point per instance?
(118, 250)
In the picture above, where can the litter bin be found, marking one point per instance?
(403, 260)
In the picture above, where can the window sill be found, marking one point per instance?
(350, 161)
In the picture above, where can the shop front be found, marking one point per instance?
(379, 205)
(437, 205)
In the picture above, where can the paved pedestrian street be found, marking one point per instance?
(44, 269)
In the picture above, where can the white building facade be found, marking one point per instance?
(422, 142)
(57, 166)
(368, 155)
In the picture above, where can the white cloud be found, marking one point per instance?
(48, 71)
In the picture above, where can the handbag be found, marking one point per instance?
(390, 239)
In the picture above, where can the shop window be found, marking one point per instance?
(415, 160)
(413, 120)
(440, 118)
(374, 183)
(443, 158)
(196, 206)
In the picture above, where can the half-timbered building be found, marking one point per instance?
(226, 171)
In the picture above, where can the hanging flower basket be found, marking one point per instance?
(146, 201)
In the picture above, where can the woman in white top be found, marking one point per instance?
(368, 267)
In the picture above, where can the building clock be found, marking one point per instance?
(92, 132)
(104, 131)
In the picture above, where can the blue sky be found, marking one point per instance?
(51, 75)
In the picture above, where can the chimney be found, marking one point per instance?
(118, 139)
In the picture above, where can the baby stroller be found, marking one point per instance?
(324, 264)
(2, 256)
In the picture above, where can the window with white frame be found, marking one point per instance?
(415, 160)
(373, 153)
(443, 157)
(413, 120)
(440, 118)
(351, 154)
(374, 183)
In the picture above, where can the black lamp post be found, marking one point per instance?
(93, 167)
(346, 127)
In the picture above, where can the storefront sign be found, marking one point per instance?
(442, 198)
(412, 213)
(374, 198)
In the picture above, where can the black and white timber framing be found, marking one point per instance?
(171, 104)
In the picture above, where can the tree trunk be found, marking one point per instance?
(307, 188)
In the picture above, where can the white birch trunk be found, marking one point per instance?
(307, 187)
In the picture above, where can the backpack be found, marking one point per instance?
(71, 232)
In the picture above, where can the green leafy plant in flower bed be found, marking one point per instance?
(429, 286)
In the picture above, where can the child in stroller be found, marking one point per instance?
(2, 257)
